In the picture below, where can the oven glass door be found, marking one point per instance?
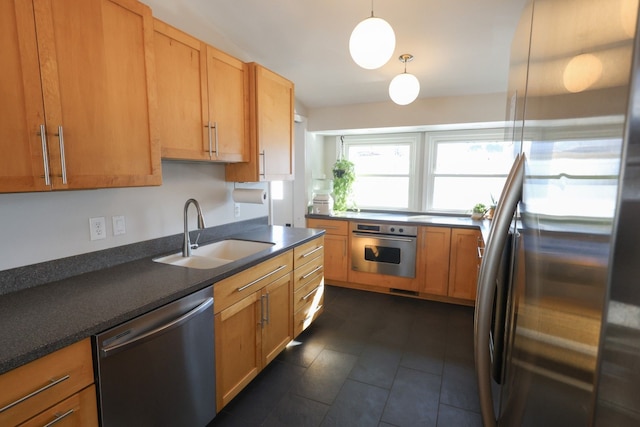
(391, 255)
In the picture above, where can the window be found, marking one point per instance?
(385, 170)
(466, 168)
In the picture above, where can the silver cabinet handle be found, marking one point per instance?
(215, 129)
(480, 252)
(264, 163)
(313, 251)
(262, 319)
(313, 291)
(33, 393)
(59, 417)
(268, 309)
(45, 154)
(312, 272)
(107, 351)
(242, 288)
(208, 126)
(327, 227)
(63, 163)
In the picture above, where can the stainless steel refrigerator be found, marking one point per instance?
(558, 310)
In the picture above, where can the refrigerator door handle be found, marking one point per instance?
(498, 235)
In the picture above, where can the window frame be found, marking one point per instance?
(412, 139)
(430, 158)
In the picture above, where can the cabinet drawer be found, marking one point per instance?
(307, 293)
(309, 308)
(238, 286)
(36, 386)
(308, 271)
(304, 253)
(79, 410)
(330, 226)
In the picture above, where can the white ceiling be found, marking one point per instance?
(460, 47)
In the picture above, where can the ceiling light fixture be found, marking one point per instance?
(372, 42)
(405, 87)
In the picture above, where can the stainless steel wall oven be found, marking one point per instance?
(384, 249)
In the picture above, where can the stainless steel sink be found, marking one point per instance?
(215, 254)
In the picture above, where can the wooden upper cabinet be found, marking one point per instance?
(271, 126)
(202, 99)
(228, 83)
(98, 79)
(79, 110)
(22, 156)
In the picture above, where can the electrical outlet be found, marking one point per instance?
(119, 225)
(97, 228)
(236, 210)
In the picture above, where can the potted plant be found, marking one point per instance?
(343, 177)
(478, 211)
(492, 208)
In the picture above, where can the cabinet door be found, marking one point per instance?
(336, 257)
(463, 272)
(237, 337)
(228, 85)
(434, 259)
(98, 78)
(277, 312)
(182, 94)
(271, 105)
(22, 155)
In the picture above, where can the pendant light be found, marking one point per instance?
(405, 87)
(372, 42)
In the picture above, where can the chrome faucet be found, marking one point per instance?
(186, 242)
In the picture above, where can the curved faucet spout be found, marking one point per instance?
(186, 241)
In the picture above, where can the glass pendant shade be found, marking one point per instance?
(404, 88)
(372, 43)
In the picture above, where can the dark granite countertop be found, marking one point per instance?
(42, 319)
(412, 218)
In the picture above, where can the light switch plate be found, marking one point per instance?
(119, 225)
(97, 228)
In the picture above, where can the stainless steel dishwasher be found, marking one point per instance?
(159, 369)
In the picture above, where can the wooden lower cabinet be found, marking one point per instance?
(276, 310)
(337, 251)
(253, 312)
(79, 410)
(448, 262)
(464, 263)
(308, 283)
(433, 259)
(57, 388)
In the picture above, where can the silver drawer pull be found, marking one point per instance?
(259, 279)
(33, 393)
(311, 293)
(312, 272)
(480, 252)
(313, 251)
(59, 417)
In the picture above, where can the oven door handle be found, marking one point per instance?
(381, 237)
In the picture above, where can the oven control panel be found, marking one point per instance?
(392, 229)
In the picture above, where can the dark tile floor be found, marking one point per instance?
(369, 360)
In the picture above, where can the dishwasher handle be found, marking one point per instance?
(116, 348)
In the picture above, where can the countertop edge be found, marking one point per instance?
(41, 320)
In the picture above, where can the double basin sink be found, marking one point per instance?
(215, 254)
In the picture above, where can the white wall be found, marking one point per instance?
(424, 112)
(37, 227)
